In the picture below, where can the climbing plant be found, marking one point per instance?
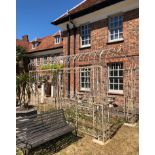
(51, 66)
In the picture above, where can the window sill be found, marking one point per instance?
(85, 47)
(84, 90)
(115, 41)
(116, 92)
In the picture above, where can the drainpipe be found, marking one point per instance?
(68, 30)
(74, 32)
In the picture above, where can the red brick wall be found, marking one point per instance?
(99, 41)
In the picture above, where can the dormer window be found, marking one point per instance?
(57, 40)
(34, 44)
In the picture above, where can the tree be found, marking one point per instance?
(24, 88)
(23, 80)
(21, 60)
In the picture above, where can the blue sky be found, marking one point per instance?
(33, 17)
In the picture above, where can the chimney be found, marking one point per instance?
(25, 38)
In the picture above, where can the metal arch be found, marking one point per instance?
(87, 56)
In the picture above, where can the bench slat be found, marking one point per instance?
(38, 129)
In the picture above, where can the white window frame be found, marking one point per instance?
(115, 68)
(85, 31)
(57, 39)
(34, 45)
(115, 24)
(31, 60)
(52, 59)
(86, 78)
(38, 58)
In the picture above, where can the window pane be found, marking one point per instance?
(111, 37)
(111, 32)
(115, 18)
(82, 79)
(116, 80)
(57, 39)
(120, 72)
(45, 60)
(82, 85)
(115, 76)
(121, 65)
(120, 30)
(115, 86)
(116, 27)
(38, 61)
(115, 73)
(111, 73)
(111, 80)
(116, 35)
(115, 65)
(116, 24)
(121, 87)
(87, 86)
(85, 78)
(120, 35)
(121, 80)
(111, 86)
(85, 34)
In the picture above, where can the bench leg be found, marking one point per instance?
(55, 147)
(26, 151)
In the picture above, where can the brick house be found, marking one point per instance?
(41, 51)
(101, 25)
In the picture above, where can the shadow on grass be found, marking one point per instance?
(56, 145)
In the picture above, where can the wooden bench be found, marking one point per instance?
(38, 129)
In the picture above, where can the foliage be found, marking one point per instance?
(19, 151)
(24, 88)
(55, 71)
(21, 60)
(51, 66)
(70, 114)
(20, 53)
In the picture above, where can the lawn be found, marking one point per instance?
(125, 142)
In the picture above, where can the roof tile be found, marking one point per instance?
(45, 43)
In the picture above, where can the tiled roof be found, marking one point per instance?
(86, 4)
(45, 43)
(83, 7)
(22, 43)
(57, 34)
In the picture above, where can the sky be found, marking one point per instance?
(33, 17)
